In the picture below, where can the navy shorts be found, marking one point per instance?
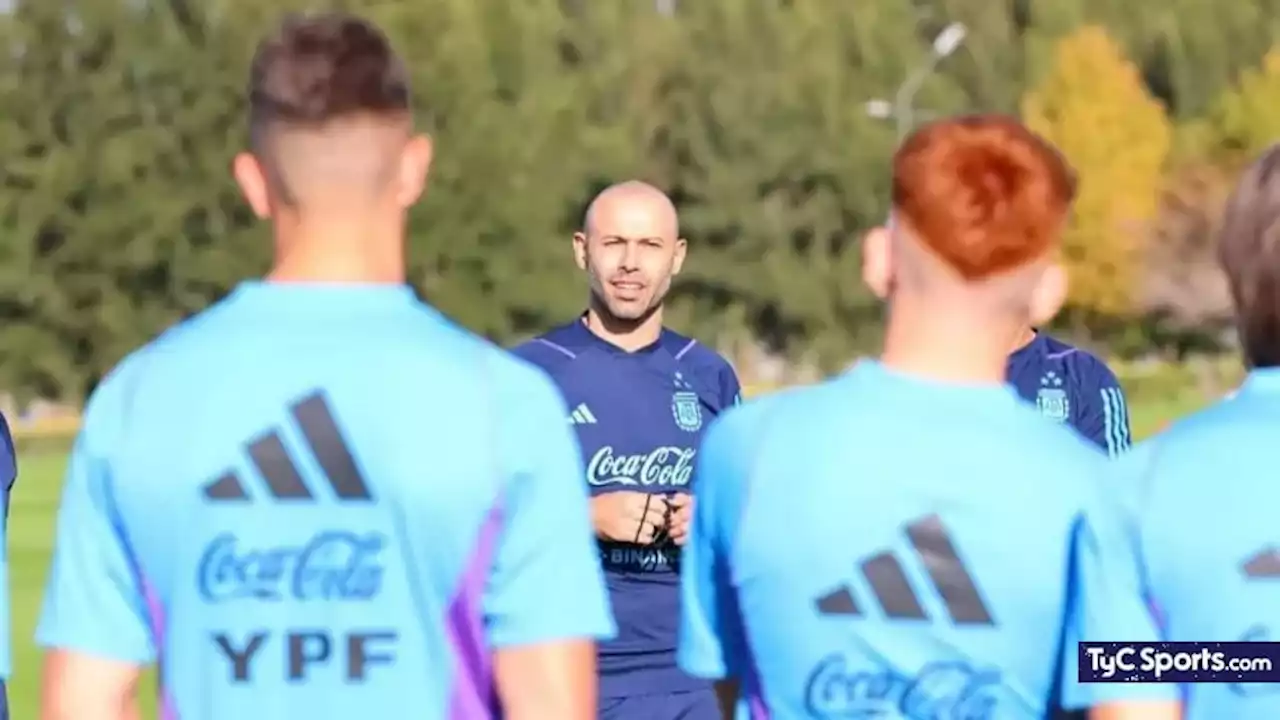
(4, 701)
(693, 705)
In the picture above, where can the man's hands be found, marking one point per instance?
(681, 505)
(630, 517)
(642, 518)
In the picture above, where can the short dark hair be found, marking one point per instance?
(319, 68)
(1249, 251)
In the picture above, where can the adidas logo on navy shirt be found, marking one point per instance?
(581, 415)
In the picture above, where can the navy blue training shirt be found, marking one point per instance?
(8, 474)
(1074, 387)
(639, 417)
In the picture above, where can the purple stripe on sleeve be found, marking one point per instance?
(753, 692)
(750, 689)
(472, 696)
(156, 614)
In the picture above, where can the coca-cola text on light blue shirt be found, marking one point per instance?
(333, 565)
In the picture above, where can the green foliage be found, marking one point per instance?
(1095, 108)
(1247, 117)
(118, 216)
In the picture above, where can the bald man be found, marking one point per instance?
(325, 570)
(919, 575)
(641, 397)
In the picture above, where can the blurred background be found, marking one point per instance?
(770, 121)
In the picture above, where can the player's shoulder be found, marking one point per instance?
(173, 345)
(1174, 464)
(691, 353)
(1222, 423)
(752, 423)
(109, 402)
(711, 369)
(1036, 432)
(552, 349)
(1081, 365)
(516, 374)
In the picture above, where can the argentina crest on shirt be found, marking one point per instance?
(686, 408)
(1052, 399)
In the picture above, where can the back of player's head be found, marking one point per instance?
(329, 106)
(983, 193)
(1249, 250)
(979, 205)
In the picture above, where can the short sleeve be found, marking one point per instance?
(94, 601)
(1108, 602)
(712, 638)
(545, 583)
(730, 388)
(1104, 414)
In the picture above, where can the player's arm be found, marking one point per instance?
(72, 682)
(712, 637)
(94, 623)
(545, 604)
(730, 388)
(1110, 604)
(1104, 414)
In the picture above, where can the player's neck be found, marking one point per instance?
(1025, 338)
(339, 252)
(626, 334)
(944, 347)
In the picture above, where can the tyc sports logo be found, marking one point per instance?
(334, 564)
(841, 687)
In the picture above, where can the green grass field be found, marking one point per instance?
(31, 517)
(31, 520)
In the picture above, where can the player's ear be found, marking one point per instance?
(253, 183)
(580, 250)
(1049, 294)
(415, 163)
(682, 247)
(877, 261)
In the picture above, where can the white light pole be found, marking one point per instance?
(901, 109)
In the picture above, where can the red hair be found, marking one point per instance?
(984, 193)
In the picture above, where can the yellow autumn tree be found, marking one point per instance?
(1094, 106)
(1247, 117)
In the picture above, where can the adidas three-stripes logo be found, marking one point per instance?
(581, 415)
(279, 470)
(892, 588)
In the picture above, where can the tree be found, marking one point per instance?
(1094, 107)
(766, 142)
(1246, 119)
